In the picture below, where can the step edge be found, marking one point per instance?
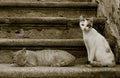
(41, 42)
(45, 20)
(44, 42)
(36, 4)
(63, 72)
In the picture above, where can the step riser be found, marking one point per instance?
(47, 20)
(44, 28)
(46, 12)
(51, 0)
(36, 31)
(40, 33)
(26, 4)
(47, 9)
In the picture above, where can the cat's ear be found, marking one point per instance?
(13, 54)
(81, 18)
(24, 50)
(91, 19)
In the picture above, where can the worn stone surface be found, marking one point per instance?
(20, 31)
(40, 33)
(46, 12)
(51, 0)
(78, 71)
(6, 56)
(109, 10)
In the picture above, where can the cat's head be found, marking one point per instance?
(20, 57)
(85, 24)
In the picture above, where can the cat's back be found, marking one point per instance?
(43, 57)
(59, 54)
(49, 53)
(98, 37)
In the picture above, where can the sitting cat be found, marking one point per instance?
(98, 49)
(43, 58)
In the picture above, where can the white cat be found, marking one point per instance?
(98, 49)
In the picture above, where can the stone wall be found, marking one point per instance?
(109, 10)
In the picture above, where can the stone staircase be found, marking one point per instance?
(43, 24)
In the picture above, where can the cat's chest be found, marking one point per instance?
(87, 40)
(88, 37)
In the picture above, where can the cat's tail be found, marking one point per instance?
(99, 64)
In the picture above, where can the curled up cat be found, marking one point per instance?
(53, 58)
(98, 49)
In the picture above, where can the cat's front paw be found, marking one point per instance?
(88, 65)
(14, 65)
(91, 62)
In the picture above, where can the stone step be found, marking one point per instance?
(47, 9)
(46, 20)
(79, 71)
(44, 27)
(51, 0)
(43, 42)
(74, 46)
(48, 4)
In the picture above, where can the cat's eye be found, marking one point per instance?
(89, 25)
(87, 19)
(82, 24)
